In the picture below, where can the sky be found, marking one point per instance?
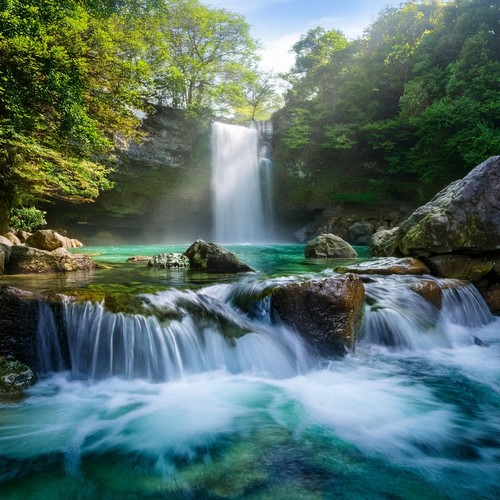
(278, 24)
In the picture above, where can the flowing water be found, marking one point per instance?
(200, 395)
(236, 185)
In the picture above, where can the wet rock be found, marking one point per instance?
(387, 265)
(329, 246)
(169, 261)
(212, 258)
(462, 267)
(15, 376)
(27, 260)
(139, 258)
(19, 312)
(326, 313)
(491, 295)
(430, 291)
(462, 218)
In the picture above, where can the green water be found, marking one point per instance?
(381, 423)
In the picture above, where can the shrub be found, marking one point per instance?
(27, 219)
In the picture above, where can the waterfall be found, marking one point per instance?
(238, 203)
(399, 318)
(103, 344)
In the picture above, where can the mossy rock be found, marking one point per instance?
(15, 377)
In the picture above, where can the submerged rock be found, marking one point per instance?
(15, 376)
(430, 291)
(212, 258)
(387, 265)
(169, 261)
(326, 313)
(139, 258)
(329, 246)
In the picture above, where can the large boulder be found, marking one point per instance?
(462, 218)
(326, 313)
(212, 258)
(329, 246)
(15, 376)
(26, 260)
(386, 266)
(169, 261)
(47, 239)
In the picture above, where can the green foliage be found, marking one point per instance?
(407, 108)
(27, 219)
(76, 74)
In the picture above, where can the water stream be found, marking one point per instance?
(202, 396)
(236, 185)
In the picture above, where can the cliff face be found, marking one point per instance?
(161, 193)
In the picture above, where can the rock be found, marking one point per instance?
(169, 261)
(73, 262)
(15, 376)
(462, 218)
(360, 233)
(326, 313)
(46, 239)
(19, 311)
(383, 242)
(430, 291)
(13, 238)
(387, 265)
(5, 241)
(462, 267)
(22, 235)
(329, 246)
(27, 260)
(491, 295)
(139, 258)
(212, 258)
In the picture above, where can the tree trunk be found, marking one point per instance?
(6, 201)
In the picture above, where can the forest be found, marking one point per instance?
(395, 114)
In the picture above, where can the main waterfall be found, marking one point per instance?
(236, 184)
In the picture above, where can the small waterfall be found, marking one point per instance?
(103, 344)
(236, 184)
(398, 317)
(49, 352)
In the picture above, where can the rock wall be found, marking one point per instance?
(162, 188)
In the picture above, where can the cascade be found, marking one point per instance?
(103, 344)
(239, 205)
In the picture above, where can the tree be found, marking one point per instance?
(206, 52)
(71, 74)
